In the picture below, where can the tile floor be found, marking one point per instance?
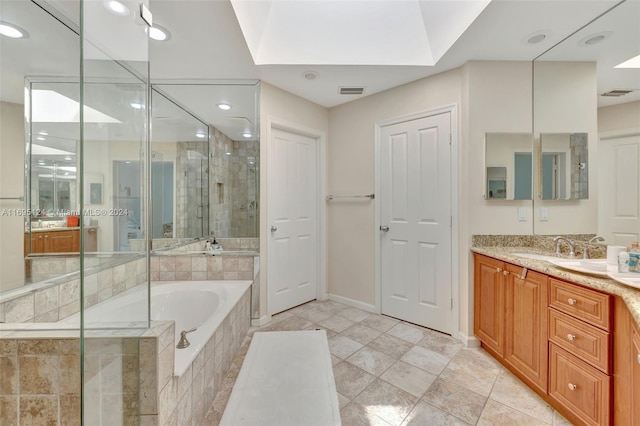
(389, 372)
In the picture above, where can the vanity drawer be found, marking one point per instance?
(585, 304)
(587, 342)
(582, 389)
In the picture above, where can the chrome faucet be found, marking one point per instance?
(585, 253)
(183, 342)
(572, 247)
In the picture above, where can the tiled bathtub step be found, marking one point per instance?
(286, 379)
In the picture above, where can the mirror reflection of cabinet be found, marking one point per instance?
(508, 166)
(563, 166)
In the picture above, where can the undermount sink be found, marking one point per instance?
(535, 256)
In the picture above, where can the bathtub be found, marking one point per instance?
(201, 304)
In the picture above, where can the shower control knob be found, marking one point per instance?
(384, 228)
(274, 228)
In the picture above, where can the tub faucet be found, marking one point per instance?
(557, 240)
(183, 342)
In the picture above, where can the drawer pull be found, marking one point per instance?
(571, 337)
(572, 386)
(572, 301)
(498, 270)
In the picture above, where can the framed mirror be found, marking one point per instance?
(508, 166)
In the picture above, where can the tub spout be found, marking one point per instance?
(183, 342)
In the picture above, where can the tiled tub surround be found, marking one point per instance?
(128, 380)
(631, 296)
(202, 267)
(59, 298)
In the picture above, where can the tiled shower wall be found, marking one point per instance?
(192, 189)
(245, 175)
(221, 183)
(579, 165)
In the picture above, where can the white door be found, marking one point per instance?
(291, 215)
(415, 173)
(619, 190)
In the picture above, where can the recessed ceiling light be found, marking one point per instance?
(116, 7)
(12, 31)
(537, 37)
(136, 105)
(227, 153)
(201, 135)
(43, 133)
(224, 106)
(592, 39)
(40, 138)
(247, 135)
(159, 33)
(68, 158)
(310, 75)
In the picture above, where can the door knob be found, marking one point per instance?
(274, 228)
(384, 228)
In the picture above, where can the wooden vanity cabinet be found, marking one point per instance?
(510, 309)
(526, 325)
(626, 367)
(488, 302)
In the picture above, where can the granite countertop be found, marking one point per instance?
(630, 295)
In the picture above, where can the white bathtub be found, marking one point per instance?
(201, 304)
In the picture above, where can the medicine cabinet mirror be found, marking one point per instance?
(564, 167)
(508, 166)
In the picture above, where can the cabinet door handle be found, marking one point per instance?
(572, 301)
(638, 357)
(498, 270)
(571, 337)
(505, 272)
(572, 386)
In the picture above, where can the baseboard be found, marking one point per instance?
(353, 303)
(469, 341)
(259, 322)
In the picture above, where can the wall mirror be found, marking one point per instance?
(508, 166)
(585, 88)
(564, 171)
(204, 160)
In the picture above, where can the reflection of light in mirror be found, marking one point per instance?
(247, 135)
(51, 176)
(116, 7)
(40, 138)
(631, 63)
(228, 153)
(68, 158)
(43, 133)
(201, 135)
(224, 106)
(47, 150)
(12, 31)
(159, 33)
(52, 107)
(63, 168)
(136, 105)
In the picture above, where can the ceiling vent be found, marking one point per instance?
(351, 90)
(616, 93)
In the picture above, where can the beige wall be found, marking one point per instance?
(619, 117)
(11, 185)
(566, 102)
(278, 105)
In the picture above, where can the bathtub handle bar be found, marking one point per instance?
(183, 342)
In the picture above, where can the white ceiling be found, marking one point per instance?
(207, 45)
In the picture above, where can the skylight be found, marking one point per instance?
(353, 32)
(631, 63)
(49, 106)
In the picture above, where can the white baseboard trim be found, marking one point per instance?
(353, 303)
(259, 322)
(469, 341)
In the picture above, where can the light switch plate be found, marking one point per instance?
(522, 214)
(544, 214)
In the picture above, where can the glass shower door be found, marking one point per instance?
(114, 191)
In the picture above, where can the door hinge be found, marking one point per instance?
(450, 138)
(451, 303)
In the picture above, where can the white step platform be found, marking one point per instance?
(286, 379)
